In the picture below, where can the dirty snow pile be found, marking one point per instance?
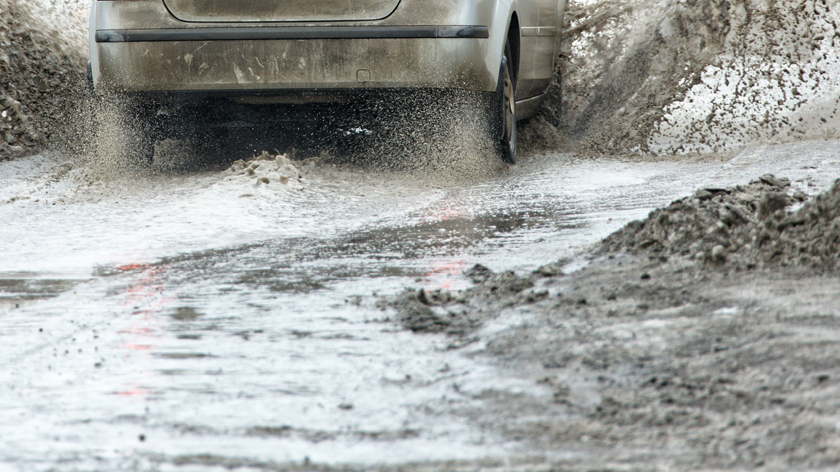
(778, 79)
(266, 170)
(42, 69)
(742, 227)
(686, 76)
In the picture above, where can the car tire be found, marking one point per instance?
(90, 87)
(505, 108)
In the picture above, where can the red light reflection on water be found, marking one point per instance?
(137, 347)
(445, 269)
(135, 391)
(145, 296)
(441, 272)
(449, 213)
(130, 267)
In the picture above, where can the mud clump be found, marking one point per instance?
(41, 78)
(742, 227)
(439, 311)
(417, 312)
(266, 169)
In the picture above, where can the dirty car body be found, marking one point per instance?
(297, 47)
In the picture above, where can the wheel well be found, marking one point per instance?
(513, 38)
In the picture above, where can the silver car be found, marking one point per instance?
(503, 50)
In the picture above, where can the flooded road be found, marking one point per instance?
(201, 318)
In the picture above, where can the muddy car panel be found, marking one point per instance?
(292, 64)
(539, 26)
(141, 46)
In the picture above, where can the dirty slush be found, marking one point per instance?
(690, 326)
(704, 336)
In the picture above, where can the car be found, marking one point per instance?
(502, 52)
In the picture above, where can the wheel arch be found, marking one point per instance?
(513, 36)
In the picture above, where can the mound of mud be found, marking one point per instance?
(41, 74)
(675, 76)
(743, 227)
(266, 169)
(440, 311)
(683, 367)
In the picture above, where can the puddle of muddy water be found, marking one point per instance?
(198, 368)
(247, 327)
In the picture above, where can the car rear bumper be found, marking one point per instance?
(292, 58)
(289, 32)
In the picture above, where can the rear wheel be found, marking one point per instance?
(506, 110)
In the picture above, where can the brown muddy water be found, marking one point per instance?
(208, 318)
